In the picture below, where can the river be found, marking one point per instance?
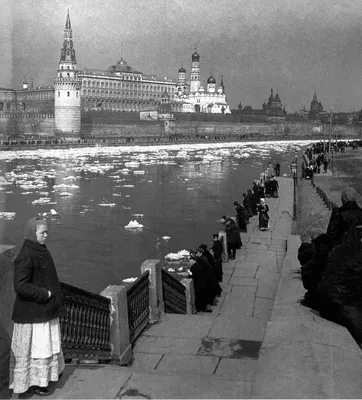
(89, 195)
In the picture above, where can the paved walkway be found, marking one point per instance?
(207, 355)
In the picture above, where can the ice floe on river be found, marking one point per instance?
(7, 215)
(133, 224)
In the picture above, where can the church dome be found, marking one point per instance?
(182, 69)
(195, 56)
(211, 79)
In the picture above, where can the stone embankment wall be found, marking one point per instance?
(7, 296)
(41, 124)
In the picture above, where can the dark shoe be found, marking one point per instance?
(26, 395)
(42, 391)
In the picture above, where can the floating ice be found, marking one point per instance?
(65, 194)
(107, 204)
(65, 186)
(177, 256)
(53, 212)
(70, 178)
(127, 186)
(116, 194)
(285, 174)
(129, 280)
(127, 195)
(27, 193)
(138, 172)
(133, 225)
(171, 270)
(7, 215)
(132, 164)
(42, 200)
(138, 215)
(166, 237)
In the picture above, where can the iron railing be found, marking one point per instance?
(174, 294)
(85, 324)
(138, 301)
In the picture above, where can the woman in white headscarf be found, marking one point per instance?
(36, 356)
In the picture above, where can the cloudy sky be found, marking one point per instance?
(293, 46)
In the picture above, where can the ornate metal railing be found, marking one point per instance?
(174, 294)
(85, 324)
(138, 300)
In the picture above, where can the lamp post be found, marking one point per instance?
(294, 168)
(330, 135)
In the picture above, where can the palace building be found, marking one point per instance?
(193, 97)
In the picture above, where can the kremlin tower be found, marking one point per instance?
(195, 73)
(67, 87)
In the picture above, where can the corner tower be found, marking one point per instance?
(67, 87)
(195, 72)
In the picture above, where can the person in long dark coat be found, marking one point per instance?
(233, 238)
(274, 187)
(277, 169)
(217, 252)
(36, 356)
(240, 216)
(263, 215)
(312, 271)
(247, 207)
(253, 202)
(214, 289)
(346, 217)
(340, 288)
(268, 187)
(306, 250)
(255, 190)
(200, 281)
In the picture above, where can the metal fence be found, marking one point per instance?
(138, 300)
(85, 324)
(174, 294)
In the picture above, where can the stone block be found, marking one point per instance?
(246, 328)
(243, 289)
(230, 348)
(236, 306)
(157, 307)
(262, 313)
(164, 344)
(241, 281)
(245, 272)
(145, 361)
(120, 339)
(263, 303)
(242, 370)
(186, 363)
(267, 290)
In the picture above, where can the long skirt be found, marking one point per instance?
(36, 356)
(275, 193)
(263, 220)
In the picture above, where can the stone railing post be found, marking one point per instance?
(157, 307)
(225, 254)
(190, 296)
(120, 341)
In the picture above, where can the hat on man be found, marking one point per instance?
(215, 235)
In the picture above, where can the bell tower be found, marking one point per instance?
(67, 87)
(195, 82)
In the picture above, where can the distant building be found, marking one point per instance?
(273, 108)
(193, 97)
(316, 108)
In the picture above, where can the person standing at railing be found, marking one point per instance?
(217, 250)
(36, 354)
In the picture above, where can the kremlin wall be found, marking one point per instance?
(122, 101)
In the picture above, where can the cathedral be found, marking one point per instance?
(192, 95)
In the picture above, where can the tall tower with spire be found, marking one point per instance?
(67, 87)
(195, 82)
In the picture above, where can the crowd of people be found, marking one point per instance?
(206, 271)
(331, 266)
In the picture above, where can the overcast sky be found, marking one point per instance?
(293, 46)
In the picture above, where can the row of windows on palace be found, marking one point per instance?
(126, 85)
(102, 93)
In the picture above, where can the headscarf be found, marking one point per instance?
(30, 228)
(262, 202)
(349, 194)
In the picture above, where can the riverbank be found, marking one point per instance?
(53, 143)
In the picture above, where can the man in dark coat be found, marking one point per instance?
(253, 202)
(214, 289)
(340, 288)
(199, 278)
(313, 270)
(240, 216)
(346, 217)
(233, 238)
(217, 251)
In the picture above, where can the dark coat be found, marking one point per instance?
(34, 275)
(343, 219)
(232, 235)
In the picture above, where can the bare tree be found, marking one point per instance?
(34, 123)
(14, 125)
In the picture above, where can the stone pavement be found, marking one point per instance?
(206, 355)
